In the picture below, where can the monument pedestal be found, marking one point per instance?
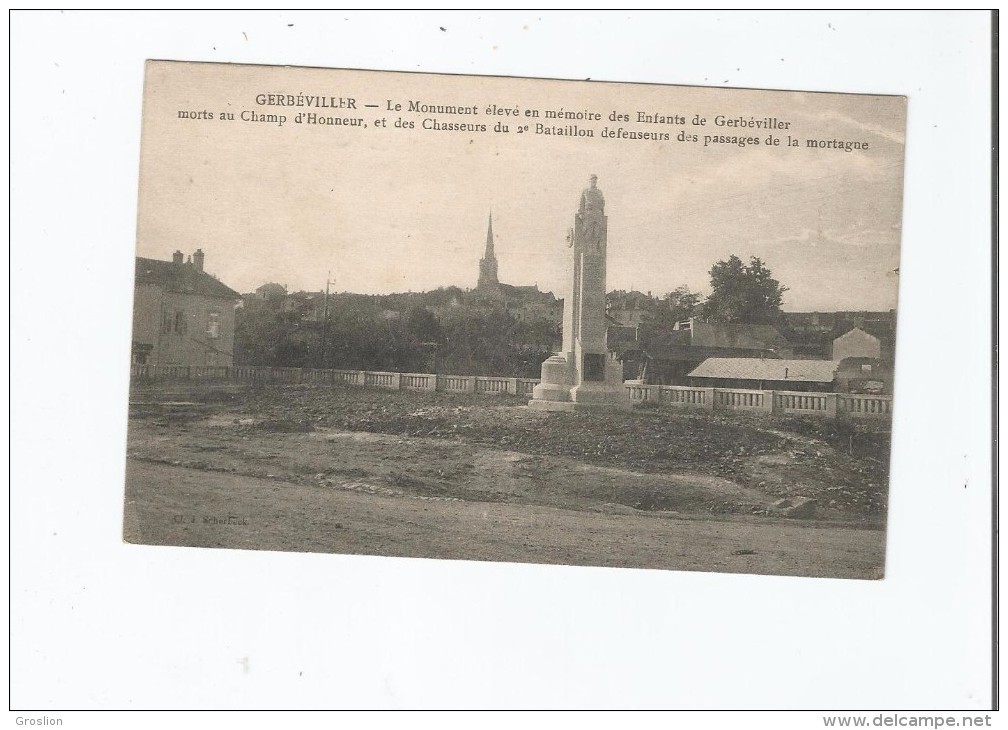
(562, 387)
(584, 375)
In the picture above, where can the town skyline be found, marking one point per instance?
(472, 286)
(395, 211)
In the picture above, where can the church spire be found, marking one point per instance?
(488, 264)
(489, 254)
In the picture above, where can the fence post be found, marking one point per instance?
(769, 398)
(708, 399)
(831, 405)
(470, 386)
(397, 381)
(513, 386)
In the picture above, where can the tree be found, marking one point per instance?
(264, 336)
(743, 293)
(680, 304)
(423, 325)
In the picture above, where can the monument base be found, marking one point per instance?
(559, 389)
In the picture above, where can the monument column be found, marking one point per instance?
(584, 373)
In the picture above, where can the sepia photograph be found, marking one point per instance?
(518, 320)
(487, 360)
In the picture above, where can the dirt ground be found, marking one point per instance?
(359, 471)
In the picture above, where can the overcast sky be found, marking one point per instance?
(395, 210)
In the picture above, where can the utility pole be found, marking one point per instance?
(325, 317)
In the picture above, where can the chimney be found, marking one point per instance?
(197, 259)
(177, 257)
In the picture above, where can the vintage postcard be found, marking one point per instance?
(509, 319)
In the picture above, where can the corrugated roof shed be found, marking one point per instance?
(751, 368)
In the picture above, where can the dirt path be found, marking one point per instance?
(433, 468)
(381, 463)
(172, 505)
(841, 465)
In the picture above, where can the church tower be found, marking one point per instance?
(488, 264)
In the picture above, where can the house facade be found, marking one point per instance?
(857, 343)
(181, 314)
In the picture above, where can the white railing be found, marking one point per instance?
(374, 379)
(788, 402)
(864, 406)
(829, 405)
(740, 400)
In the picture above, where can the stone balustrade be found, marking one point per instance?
(418, 381)
(726, 399)
(806, 403)
(853, 405)
(828, 405)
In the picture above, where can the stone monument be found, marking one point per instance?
(584, 374)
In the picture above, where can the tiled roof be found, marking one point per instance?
(184, 278)
(752, 368)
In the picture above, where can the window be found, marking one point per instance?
(180, 322)
(166, 322)
(213, 325)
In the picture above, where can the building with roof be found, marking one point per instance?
(864, 375)
(735, 337)
(630, 308)
(270, 291)
(181, 314)
(669, 359)
(764, 374)
(857, 342)
(812, 334)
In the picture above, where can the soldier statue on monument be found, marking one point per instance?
(592, 198)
